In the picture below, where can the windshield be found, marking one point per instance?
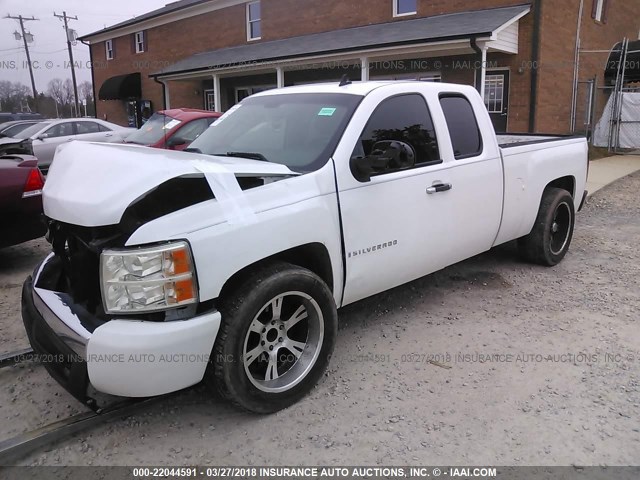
(153, 130)
(32, 130)
(300, 130)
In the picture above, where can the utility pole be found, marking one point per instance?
(65, 18)
(22, 19)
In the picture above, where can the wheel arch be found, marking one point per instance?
(567, 183)
(312, 256)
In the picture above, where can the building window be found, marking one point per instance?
(404, 7)
(108, 45)
(210, 100)
(494, 93)
(599, 11)
(139, 42)
(254, 32)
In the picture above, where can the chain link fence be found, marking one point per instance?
(617, 127)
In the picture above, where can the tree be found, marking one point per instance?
(85, 91)
(55, 89)
(67, 88)
(14, 96)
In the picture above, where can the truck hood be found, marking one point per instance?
(92, 184)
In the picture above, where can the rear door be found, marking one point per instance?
(395, 230)
(476, 175)
(89, 131)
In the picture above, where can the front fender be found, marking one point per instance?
(284, 215)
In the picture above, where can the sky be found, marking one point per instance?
(49, 48)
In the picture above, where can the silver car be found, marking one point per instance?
(45, 136)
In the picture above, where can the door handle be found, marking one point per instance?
(439, 187)
(109, 135)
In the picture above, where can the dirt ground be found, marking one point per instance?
(544, 370)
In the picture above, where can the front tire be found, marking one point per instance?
(549, 241)
(277, 334)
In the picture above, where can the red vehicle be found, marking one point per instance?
(21, 184)
(173, 129)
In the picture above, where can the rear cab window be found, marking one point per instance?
(466, 138)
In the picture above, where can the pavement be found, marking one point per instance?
(607, 170)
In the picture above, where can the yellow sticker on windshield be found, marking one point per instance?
(327, 112)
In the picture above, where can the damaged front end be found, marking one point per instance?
(80, 316)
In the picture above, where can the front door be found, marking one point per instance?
(395, 230)
(45, 146)
(496, 98)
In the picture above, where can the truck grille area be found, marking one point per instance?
(75, 270)
(77, 250)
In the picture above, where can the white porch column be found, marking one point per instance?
(216, 93)
(280, 75)
(483, 71)
(364, 66)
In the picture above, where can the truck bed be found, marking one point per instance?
(529, 163)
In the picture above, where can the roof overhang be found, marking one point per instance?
(121, 87)
(172, 12)
(442, 35)
(336, 59)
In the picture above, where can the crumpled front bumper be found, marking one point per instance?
(124, 357)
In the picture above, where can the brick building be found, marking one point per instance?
(212, 53)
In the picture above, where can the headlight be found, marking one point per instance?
(147, 279)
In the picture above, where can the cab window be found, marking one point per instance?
(463, 126)
(404, 118)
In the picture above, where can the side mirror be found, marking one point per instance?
(42, 136)
(176, 142)
(386, 154)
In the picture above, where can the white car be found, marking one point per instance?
(46, 135)
(229, 262)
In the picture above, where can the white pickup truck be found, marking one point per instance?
(228, 262)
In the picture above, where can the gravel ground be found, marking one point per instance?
(558, 383)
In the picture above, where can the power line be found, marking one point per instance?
(25, 36)
(65, 18)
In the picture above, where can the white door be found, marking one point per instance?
(397, 226)
(477, 179)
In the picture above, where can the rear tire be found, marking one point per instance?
(278, 331)
(549, 241)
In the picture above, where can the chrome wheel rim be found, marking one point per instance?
(560, 228)
(283, 342)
